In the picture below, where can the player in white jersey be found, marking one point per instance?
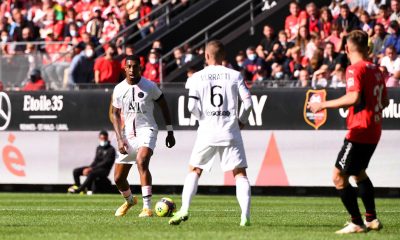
(213, 100)
(134, 98)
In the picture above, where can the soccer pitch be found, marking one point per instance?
(62, 216)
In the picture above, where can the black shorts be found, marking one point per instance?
(354, 157)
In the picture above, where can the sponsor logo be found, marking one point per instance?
(135, 107)
(255, 117)
(141, 95)
(391, 111)
(342, 161)
(218, 113)
(43, 103)
(13, 158)
(316, 120)
(5, 111)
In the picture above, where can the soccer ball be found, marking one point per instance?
(165, 207)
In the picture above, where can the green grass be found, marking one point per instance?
(60, 216)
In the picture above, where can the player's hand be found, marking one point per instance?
(122, 146)
(86, 171)
(241, 125)
(314, 106)
(170, 140)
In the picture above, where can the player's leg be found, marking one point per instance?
(348, 164)
(367, 194)
(121, 172)
(143, 161)
(348, 196)
(91, 177)
(243, 194)
(201, 159)
(77, 173)
(188, 192)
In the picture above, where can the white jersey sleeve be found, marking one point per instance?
(245, 96)
(194, 97)
(116, 99)
(155, 91)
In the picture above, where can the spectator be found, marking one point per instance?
(95, 26)
(110, 28)
(312, 18)
(97, 172)
(347, 20)
(35, 82)
(296, 63)
(152, 69)
(157, 45)
(27, 36)
(304, 79)
(107, 69)
(378, 40)
(265, 46)
(390, 61)
(253, 64)
(339, 79)
(335, 8)
(321, 77)
(374, 5)
(296, 19)
(190, 71)
(239, 59)
(325, 22)
(179, 57)
(394, 37)
(302, 39)
(395, 6)
(383, 17)
(18, 25)
(144, 24)
(330, 57)
(335, 37)
(313, 45)
(81, 68)
(283, 41)
(366, 24)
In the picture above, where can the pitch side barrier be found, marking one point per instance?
(44, 135)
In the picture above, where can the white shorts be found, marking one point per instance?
(145, 137)
(232, 156)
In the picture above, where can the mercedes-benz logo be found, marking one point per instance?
(5, 111)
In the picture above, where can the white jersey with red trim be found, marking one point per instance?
(137, 104)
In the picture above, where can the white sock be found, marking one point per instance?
(189, 190)
(146, 194)
(127, 195)
(243, 193)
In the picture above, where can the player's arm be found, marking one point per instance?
(350, 99)
(162, 103)
(117, 123)
(194, 98)
(245, 96)
(96, 76)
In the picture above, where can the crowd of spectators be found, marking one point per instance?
(67, 35)
(310, 50)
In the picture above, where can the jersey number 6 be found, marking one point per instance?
(217, 96)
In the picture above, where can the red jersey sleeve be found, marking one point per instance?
(353, 79)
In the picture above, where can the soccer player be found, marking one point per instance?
(365, 96)
(134, 98)
(213, 100)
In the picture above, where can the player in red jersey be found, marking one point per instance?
(366, 97)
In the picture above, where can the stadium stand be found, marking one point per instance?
(47, 35)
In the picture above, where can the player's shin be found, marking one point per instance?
(147, 194)
(189, 190)
(127, 194)
(243, 193)
(366, 191)
(349, 199)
